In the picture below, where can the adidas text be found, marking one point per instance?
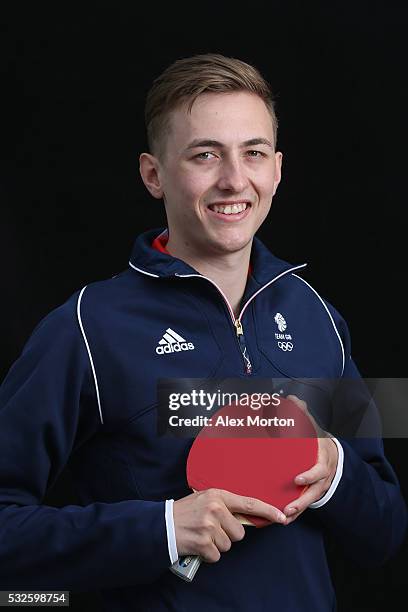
(175, 348)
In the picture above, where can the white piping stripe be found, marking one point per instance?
(215, 285)
(89, 352)
(267, 284)
(331, 319)
(250, 299)
(142, 271)
(222, 293)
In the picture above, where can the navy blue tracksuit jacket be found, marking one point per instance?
(84, 392)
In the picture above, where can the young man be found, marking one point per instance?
(84, 390)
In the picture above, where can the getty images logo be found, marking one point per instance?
(173, 343)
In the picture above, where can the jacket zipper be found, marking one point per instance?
(243, 347)
(237, 322)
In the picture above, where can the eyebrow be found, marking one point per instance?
(215, 143)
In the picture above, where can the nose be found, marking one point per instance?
(232, 176)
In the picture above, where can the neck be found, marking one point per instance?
(228, 271)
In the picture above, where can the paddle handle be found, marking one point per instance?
(186, 567)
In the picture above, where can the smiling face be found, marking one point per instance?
(218, 174)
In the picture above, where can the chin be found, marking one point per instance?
(232, 245)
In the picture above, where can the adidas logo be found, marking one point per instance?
(173, 343)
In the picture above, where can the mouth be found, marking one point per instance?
(230, 211)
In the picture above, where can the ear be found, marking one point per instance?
(278, 170)
(149, 167)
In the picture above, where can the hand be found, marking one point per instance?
(206, 526)
(320, 476)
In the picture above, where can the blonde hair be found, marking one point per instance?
(187, 78)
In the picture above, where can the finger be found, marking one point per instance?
(208, 551)
(213, 544)
(312, 494)
(318, 472)
(222, 541)
(223, 517)
(232, 526)
(250, 505)
(293, 517)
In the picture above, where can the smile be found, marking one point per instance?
(229, 209)
(230, 212)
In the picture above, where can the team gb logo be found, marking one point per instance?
(280, 322)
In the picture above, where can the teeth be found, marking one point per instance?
(228, 209)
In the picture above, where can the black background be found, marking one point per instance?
(72, 200)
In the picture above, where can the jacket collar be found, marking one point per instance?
(147, 260)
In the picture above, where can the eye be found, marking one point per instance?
(204, 155)
(255, 153)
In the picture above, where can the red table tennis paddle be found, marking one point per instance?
(251, 453)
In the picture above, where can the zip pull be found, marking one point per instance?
(238, 325)
(242, 345)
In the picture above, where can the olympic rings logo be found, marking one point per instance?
(285, 346)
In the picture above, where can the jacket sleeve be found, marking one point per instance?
(367, 513)
(47, 408)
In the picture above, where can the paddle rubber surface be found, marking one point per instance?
(254, 457)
